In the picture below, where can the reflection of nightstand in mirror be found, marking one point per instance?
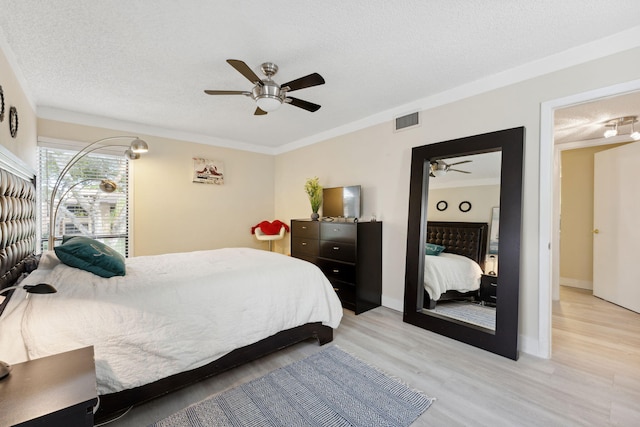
(488, 289)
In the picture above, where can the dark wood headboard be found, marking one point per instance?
(17, 227)
(462, 238)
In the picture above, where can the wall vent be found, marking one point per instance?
(407, 121)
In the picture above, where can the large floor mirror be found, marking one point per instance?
(463, 241)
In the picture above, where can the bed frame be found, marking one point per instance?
(18, 232)
(468, 239)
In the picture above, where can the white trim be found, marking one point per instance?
(546, 214)
(12, 163)
(606, 46)
(576, 283)
(615, 43)
(50, 113)
(393, 304)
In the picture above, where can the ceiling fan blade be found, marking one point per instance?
(259, 112)
(459, 163)
(227, 92)
(244, 69)
(458, 170)
(305, 105)
(314, 79)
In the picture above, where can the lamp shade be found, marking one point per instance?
(139, 146)
(269, 103)
(108, 186)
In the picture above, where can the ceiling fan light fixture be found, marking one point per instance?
(438, 169)
(613, 125)
(268, 103)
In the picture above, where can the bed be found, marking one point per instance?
(170, 321)
(454, 260)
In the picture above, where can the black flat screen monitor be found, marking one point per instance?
(341, 202)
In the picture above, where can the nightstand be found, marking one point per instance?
(488, 289)
(58, 390)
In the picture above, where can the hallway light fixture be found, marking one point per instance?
(635, 135)
(614, 124)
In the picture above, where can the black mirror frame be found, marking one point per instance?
(504, 340)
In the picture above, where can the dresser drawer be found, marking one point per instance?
(337, 270)
(308, 229)
(304, 246)
(339, 232)
(346, 292)
(338, 251)
(489, 289)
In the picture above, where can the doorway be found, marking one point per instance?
(549, 212)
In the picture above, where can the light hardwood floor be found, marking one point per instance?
(592, 379)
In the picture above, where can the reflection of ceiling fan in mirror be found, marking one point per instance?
(440, 168)
(268, 94)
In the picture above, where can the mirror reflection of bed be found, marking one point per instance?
(436, 194)
(460, 276)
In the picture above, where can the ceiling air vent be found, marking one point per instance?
(404, 122)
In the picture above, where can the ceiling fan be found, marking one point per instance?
(269, 96)
(440, 168)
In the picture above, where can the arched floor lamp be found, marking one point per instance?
(132, 152)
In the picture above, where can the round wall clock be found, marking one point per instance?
(13, 121)
(442, 205)
(1, 104)
(464, 206)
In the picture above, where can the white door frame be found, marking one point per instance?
(548, 239)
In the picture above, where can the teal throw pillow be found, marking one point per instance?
(92, 256)
(431, 249)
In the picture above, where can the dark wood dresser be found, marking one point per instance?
(348, 253)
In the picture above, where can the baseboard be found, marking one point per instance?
(392, 303)
(576, 283)
(531, 347)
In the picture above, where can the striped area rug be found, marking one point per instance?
(329, 388)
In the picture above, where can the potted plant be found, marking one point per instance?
(314, 190)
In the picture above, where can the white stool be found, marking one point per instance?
(269, 237)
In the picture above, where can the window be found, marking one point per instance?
(83, 209)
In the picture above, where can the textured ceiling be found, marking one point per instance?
(586, 121)
(146, 63)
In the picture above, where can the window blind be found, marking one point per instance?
(83, 209)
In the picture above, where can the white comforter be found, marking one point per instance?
(170, 313)
(447, 272)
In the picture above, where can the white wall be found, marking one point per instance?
(378, 159)
(173, 214)
(483, 198)
(23, 145)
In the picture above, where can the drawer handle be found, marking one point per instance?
(304, 243)
(495, 285)
(304, 227)
(335, 270)
(336, 289)
(492, 297)
(336, 229)
(336, 248)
